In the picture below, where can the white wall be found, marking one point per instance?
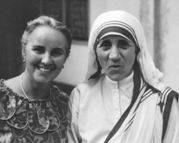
(76, 65)
(171, 42)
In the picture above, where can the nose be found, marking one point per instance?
(46, 58)
(114, 53)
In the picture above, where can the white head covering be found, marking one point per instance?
(130, 23)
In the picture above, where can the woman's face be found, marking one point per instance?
(116, 56)
(45, 54)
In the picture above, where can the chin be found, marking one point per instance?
(116, 77)
(44, 79)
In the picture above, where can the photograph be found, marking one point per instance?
(89, 71)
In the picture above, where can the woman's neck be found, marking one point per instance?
(32, 89)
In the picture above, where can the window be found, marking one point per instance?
(74, 13)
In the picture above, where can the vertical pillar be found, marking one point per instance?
(147, 19)
(158, 57)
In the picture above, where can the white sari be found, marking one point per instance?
(150, 119)
(147, 119)
(154, 116)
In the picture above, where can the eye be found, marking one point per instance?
(57, 52)
(39, 49)
(105, 44)
(123, 44)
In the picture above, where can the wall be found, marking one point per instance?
(171, 42)
(76, 64)
(14, 15)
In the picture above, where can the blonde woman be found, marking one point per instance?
(32, 108)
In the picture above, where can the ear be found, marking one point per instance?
(137, 50)
(23, 53)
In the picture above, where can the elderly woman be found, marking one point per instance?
(32, 108)
(124, 99)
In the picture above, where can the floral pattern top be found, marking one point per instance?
(23, 121)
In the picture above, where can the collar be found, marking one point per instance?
(125, 86)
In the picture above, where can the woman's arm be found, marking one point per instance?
(73, 132)
(172, 130)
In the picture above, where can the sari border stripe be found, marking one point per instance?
(167, 110)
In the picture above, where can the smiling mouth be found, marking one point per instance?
(46, 69)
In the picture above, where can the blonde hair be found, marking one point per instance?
(48, 21)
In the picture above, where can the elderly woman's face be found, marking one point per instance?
(116, 56)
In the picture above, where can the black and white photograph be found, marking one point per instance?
(89, 71)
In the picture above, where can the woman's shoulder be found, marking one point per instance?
(169, 94)
(10, 102)
(85, 90)
(165, 93)
(89, 84)
(12, 83)
(20, 113)
(59, 98)
(9, 88)
(3, 87)
(59, 93)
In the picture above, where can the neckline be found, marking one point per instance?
(121, 83)
(30, 98)
(9, 90)
(125, 86)
(12, 93)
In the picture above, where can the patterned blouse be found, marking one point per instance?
(23, 121)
